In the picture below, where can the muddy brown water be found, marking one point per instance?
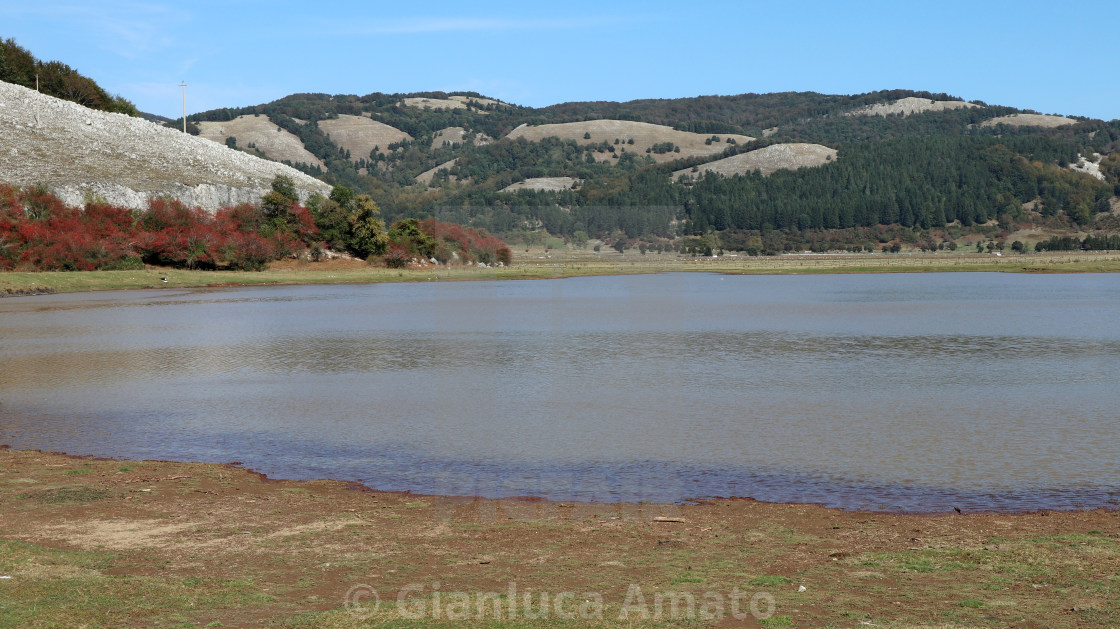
(896, 392)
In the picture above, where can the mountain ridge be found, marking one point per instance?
(792, 162)
(953, 162)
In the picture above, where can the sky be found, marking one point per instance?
(1048, 56)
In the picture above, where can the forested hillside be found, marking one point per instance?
(932, 171)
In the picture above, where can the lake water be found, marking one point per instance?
(915, 392)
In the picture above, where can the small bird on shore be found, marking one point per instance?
(957, 509)
(163, 279)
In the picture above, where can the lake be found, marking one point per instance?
(895, 392)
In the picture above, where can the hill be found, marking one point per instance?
(788, 170)
(359, 136)
(82, 153)
(257, 132)
(831, 171)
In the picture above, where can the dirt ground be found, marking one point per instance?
(102, 543)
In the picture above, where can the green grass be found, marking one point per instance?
(66, 495)
(59, 588)
(975, 604)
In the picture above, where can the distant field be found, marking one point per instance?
(765, 160)
(426, 176)
(908, 106)
(360, 135)
(542, 183)
(451, 102)
(433, 103)
(270, 139)
(1029, 120)
(457, 135)
(541, 264)
(644, 135)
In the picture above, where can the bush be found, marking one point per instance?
(396, 257)
(38, 231)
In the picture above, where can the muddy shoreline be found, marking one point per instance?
(691, 501)
(128, 543)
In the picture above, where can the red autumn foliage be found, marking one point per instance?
(396, 257)
(470, 243)
(38, 231)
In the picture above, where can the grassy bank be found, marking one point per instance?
(105, 543)
(541, 264)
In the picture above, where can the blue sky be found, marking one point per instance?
(1046, 56)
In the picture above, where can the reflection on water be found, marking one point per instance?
(916, 392)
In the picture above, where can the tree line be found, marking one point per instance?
(54, 78)
(40, 232)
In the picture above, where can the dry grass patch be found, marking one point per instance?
(451, 102)
(433, 103)
(457, 135)
(426, 176)
(909, 106)
(1029, 120)
(644, 135)
(766, 160)
(360, 135)
(278, 144)
(548, 184)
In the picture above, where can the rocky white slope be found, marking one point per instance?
(78, 152)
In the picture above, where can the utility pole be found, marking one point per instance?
(184, 86)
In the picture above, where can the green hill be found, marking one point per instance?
(909, 166)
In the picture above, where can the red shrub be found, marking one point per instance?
(396, 257)
(470, 243)
(246, 217)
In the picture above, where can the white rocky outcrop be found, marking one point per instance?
(77, 152)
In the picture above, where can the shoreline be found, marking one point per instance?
(554, 265)
(528, 498)
(126, 543)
